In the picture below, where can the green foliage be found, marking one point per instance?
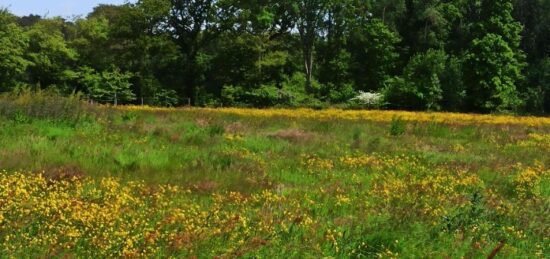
(233, 95)
(26, 105)
(13, 45)
(52, 59)
(425, 71)
(452, 85)
(291, 93)
(492, 72)
(335, 71)
(165, 97)
(374, 54)
(464, 218)
(340, 94)
(423, 76)
(427, 79)
(493, 61)
(215, 130)
(267, 95)
(537, 92)
(398, 127)
(91, 41)
(424, 55)
(111, 86)
(399, 94)
(264, 95)
(498, 20)
(428, 24)
(20, 117)
(294, 85)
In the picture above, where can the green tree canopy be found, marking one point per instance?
(13, 45)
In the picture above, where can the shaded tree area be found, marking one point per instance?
(453, 55)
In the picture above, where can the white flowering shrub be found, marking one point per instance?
(368, 99)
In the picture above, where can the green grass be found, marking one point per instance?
(248, 155)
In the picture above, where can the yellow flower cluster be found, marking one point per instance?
(387, 116)
(233, 137)
(537, 140)
(423, 191)
(109, 218)
(59, 216)
(359, 161)
(141, 108)
(315, 163)
(364, 115)
(251, 159)
(528, 179)
(381, 162)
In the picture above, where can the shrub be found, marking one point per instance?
(367, 100)
(431, 81)
(233, 96)
(401, 94)
(291, 93)
(294, 89)
(338, 93)
(156, 94)
(165, 97)
(264, 96)
(110, 86)
(26, 104)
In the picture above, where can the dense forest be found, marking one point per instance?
(453, 55)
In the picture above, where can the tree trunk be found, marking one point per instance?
(190, 72)
(308, 63)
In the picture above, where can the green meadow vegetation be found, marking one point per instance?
(204, 183)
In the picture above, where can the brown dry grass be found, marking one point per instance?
(292, 135)
(235, 128)
(64, 173)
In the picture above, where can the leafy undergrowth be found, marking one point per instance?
(206, 183)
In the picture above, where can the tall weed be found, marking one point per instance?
(26, 105)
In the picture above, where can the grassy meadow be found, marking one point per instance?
(144, 182)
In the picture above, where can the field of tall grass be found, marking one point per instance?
(85, 181)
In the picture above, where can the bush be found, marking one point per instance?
(430, 81)
(110, 86)
(233, 95)
(338, 93)
(27, 104)
(156, 94)
(265, 96)
(165, 97)
(401, 94)
(290, 94)
(367, 100)
(294, 89)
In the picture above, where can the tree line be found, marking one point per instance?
(451, 55)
